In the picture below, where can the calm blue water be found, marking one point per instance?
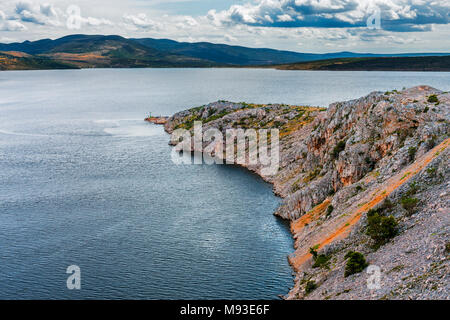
(84, 181)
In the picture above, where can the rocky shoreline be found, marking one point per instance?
(369, 175)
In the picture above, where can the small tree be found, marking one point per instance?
(433, 99)
(313, 251)
(310, 286)
(320, 260)
(380, 228)
(355, 264)
(412, 153)
(330, 210)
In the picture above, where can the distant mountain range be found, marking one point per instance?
(99, 51)
(431, 63)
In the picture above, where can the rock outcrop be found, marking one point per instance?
(336, 164)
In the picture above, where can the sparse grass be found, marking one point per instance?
(405, 175)
(409, 204)
(312, 175)
(295, 186)
(431, 172)
(397, 268)
(413, 189)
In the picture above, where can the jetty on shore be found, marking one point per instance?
(156, 120)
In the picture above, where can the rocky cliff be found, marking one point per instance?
(366, 186)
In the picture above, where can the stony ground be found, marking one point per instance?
(336, 165)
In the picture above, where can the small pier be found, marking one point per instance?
(156, 120)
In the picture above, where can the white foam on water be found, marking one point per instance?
(12, 133)
(131, 128)
(114, 121)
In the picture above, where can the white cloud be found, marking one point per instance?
(96, 21)
(140, 21)
(42, 14)
(396, 15)
(229, 38)
(48, 10)
(11, 25)
(284, 18)
(318, 25)
(190, 21)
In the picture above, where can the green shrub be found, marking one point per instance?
(313, 251)
(431, 171)
(330, 210)
(337, 149)
(211, 111)
(412, 153)
(310, 286)
(355, 264)
(312, 174)
(320, 260)
(386, 205)
(409, 204)
(425, 110)
(431, 143)
(380, 228)
(413, 188)
(296, 186)
(433, 99)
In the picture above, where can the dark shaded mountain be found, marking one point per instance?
(100, 51)
(432, 63)
(243, 56)
(225, 54)
(97, 51)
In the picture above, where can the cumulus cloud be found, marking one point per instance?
(91, 21)
(349, 36)
(140, 21)
(42, 14)
(11, 25)
(190, 21)
(396, 15)
(184, 22)
(229, 38)
(48, 10)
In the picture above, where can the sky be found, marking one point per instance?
(378, 26)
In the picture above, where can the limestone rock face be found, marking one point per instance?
(379, 133)
(324, 150)
(336, 164)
